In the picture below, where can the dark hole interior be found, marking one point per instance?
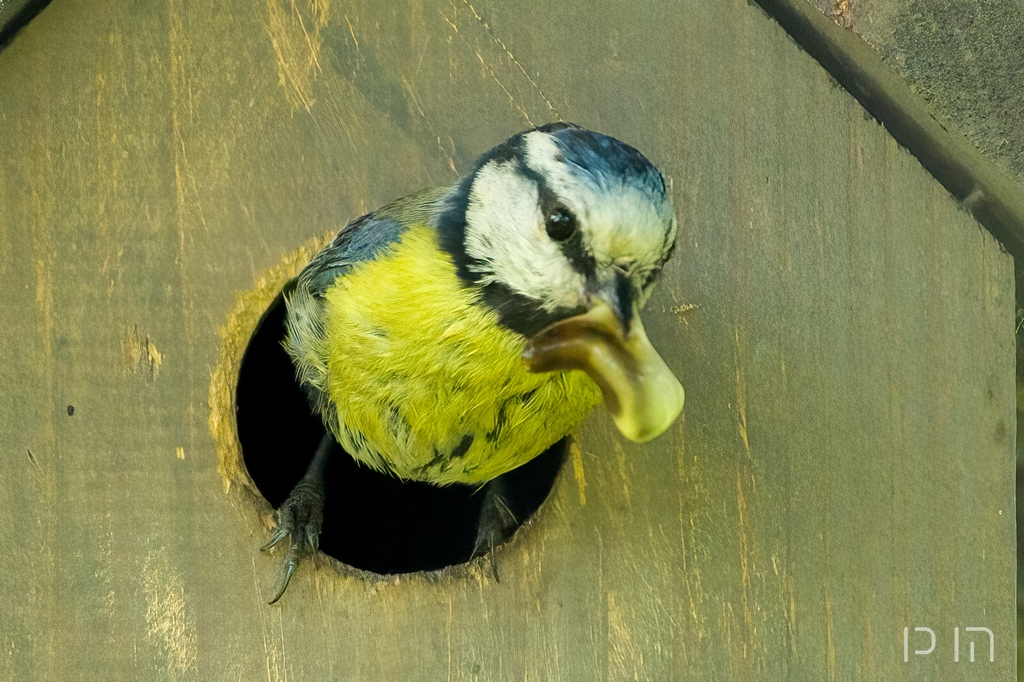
(372, 521)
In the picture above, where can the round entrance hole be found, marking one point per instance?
(372, 521)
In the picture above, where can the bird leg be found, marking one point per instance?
(301, 515)
(497, 522)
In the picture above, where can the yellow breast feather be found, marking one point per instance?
(426, 383)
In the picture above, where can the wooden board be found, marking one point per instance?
(15, 14)
(843, 469)
(962, 56)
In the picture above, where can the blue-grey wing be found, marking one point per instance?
(360, 240)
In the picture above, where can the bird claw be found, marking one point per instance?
(281, 534)
(485, 545)
(497, 524)
(299, 518)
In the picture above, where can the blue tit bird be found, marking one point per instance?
(459, 332)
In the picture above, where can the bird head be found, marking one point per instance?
(564, 231)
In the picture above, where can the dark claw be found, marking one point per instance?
(299, 517)
(494, 564)
(497, 524)
(281, 534)
(290, 564)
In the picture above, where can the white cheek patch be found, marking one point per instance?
(505, 232)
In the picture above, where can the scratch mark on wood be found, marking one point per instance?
(489, 70)
(169, 627)
(407, 86)
(419, 64)
(284, 658)
(31, 457)
(44, 300)
(576, 453)
(40, 170)
(694, 587)
(102, 171)
(352, 32)
(261, 607)
(141, 354)
(313, 52)
(747, 597)
(791, 616)
(620, 459)
(504, 89)
(296, 48)
(741, 398)
(511, 57)
(448, 21)
(184, 181)
(625, 658)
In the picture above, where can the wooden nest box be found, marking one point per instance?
(843, 469)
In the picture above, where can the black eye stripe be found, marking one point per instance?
(560, 223)
(571, 244)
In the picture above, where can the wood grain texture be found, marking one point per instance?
(843, 468)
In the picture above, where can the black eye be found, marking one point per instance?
(560, 223)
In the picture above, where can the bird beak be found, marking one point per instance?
(609, 343)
